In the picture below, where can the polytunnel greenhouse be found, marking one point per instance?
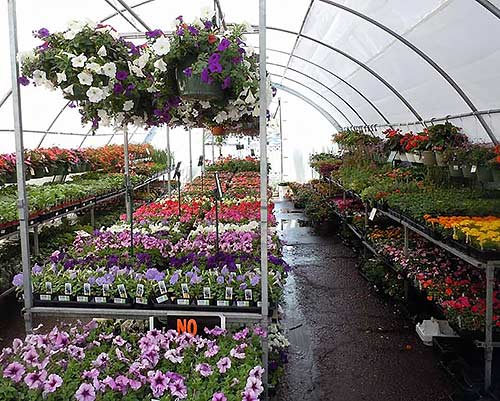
(224, 200)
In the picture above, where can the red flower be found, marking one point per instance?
(212, 39)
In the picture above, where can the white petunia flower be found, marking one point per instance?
(128, 105)
(205, 12)
(102, 51)
(39, 77)
(94, 67)
(109, 69)
(119, 119)
(135, 70)
(221, 117)
(161, 46)
(23, 56)
(103, 115)
(79, 61)
(250, 50)
(69, 90)
(106, 90)
(61, 77)
(94, 94)
(250, 99)
(77, 26)
(160, 65)
(69, 35)
(205, 104)
(142, 60)
(85, 78)
(256, 111)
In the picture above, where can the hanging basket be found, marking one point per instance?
(428, 158)
(218, 130)
(193, 88)
(439, 159)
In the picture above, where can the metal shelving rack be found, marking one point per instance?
(482, 263)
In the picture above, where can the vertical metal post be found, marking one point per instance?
(405, 233)
(36, 242)
(203, 154)
(216, 225)
(128, 189)
(488, 346)
(281, 142)
(92, 216)
(213, 148)
(22, 201)
(169, 187)
(190, 156)
(263, 187)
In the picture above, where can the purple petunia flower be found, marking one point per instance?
(23, 80)
(237, 60)
(129, 89)
(204, 369)
(205, 76)
(226, 83)
(118, 88)
(14, 371)
(188, 72)
(18, 280)
(52, 384)
(154, 34)
(121, 75)
(193, 31)
(224, 44)
(85, 392)
(180, 18)
(224, 364)
(219, 397)
(43, 33)
(208, 25)
(180, 32)
(214, 58)
(35, 380)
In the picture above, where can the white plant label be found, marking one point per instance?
(473, 169)
(372, 214)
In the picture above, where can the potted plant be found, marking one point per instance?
(495, 164)
(443, 136)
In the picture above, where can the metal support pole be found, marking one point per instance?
(190, 156)
(92, 216)
(263, 188)
(216, 225)
(128, 189)
(213, 149)
(36, 242)
(405, 233)
(203, 154)
(22, 201)
(488, 348)
(281, 141)
(169, 173)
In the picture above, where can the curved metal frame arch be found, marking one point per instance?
(323, 85)
(424, 56)
(339, 78)
(325, 114)
(490, 7)
(361, 64)
(317, 93)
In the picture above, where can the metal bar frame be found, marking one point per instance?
(121, 14)
(22, 199)
(323, 85)
(490, 7)
(50, 132)
(425, 57)
(134, 14)
(317, 93)
(322, 111)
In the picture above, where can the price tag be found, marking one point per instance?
(229, 292)
(122, 291)
(473, 169)
(86, 289)
(68, 290)
(222, 303)
(105, 290)
(182, 301)
(244, 304)
(48, 287)
(185, 290)
(63, 298)
(372, 214)
(248, 295)
(203, 302)
(100, 300)
(118, 300)
(139, 292)
(162, 287)
(82, 298)
(207, 293)
(142, 301)
(162, 299)
(45, 297)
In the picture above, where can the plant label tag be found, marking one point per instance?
(32, 171)
(82, 298)
(207, 293)
(63, 298)
(139, 292)
(45, 297)
(46, 169)
(222, 303)
(455, 168)
(259, 304)
(162, 287)
(248, 295)
(86, 289)
(141, 301)
(68, 289)
(100, 300)
(119, 300)
(372, 214)
(238, 266)
(122, 291)
(182, 301)
(162, 299)
(242, 304)
(473, 169)
(185, 290)
(105, 290)
(48, 287)
(229, 292)
(392, 157)
(203, 302)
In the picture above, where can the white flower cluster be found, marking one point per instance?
(203, 229)
(143, 229)
(276, 338)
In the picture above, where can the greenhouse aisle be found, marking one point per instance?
(346, 344)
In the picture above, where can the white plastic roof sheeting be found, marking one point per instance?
(362, 62)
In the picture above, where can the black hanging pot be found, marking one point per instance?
(193, 88)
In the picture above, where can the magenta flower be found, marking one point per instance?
(256, 372)
(204, 369)
(31, 356)
(158, 383)
(154, 34)
(23, 80)
(121, 75)
(193, 30)
(52, 384)
(205, 76)
(219, 397)
(178, 389)
(254, 385)
(226, 83)
(224, 44)
(35, 380)
(14, 371)
(85, 392)
(249, 395)
(188, 72)
(224, 364)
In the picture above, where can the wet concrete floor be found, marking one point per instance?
(346, 343)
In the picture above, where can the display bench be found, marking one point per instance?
(489, 261)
